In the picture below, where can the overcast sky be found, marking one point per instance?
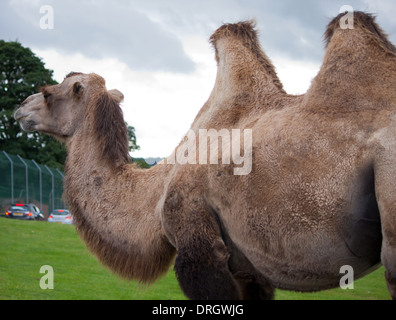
(157, 51)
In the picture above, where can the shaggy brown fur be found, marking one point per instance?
(364, 21)
(247, 35)
(246, 83)
(113, 137)
(321, 193)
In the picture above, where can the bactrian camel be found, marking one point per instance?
(320, 195)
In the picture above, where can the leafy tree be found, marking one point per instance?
(22, 74)
(132, 138)
(141, 163)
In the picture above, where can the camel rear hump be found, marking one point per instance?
(358, 71)
(362, 20)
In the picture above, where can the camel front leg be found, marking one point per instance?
(202, 257)
(202, 271)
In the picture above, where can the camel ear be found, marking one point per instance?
(117, 95)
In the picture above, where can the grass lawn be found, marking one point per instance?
(26, 246)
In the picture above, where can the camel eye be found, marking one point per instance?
(46, 95)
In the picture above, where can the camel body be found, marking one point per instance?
(313, 208)
(319, 195)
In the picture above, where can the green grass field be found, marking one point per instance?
(25, 246)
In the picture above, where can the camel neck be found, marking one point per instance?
(115, 212)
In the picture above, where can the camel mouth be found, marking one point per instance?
(26, 124)
(18, 115)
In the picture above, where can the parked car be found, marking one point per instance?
(60, 216)
(24, 212)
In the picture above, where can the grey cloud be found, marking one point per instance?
(295, 28)
(146, 34)
(289, 28)
(98, 30)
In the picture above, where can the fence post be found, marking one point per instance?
(26, 177)
(63, 177)
(53, 188)
(12, 176)
(60, 173)
(40, 185)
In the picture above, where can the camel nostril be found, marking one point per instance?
(24, 102)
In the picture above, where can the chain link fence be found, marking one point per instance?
(26, 181)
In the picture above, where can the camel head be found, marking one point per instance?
(60, 110)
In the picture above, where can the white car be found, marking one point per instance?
(60, 216)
